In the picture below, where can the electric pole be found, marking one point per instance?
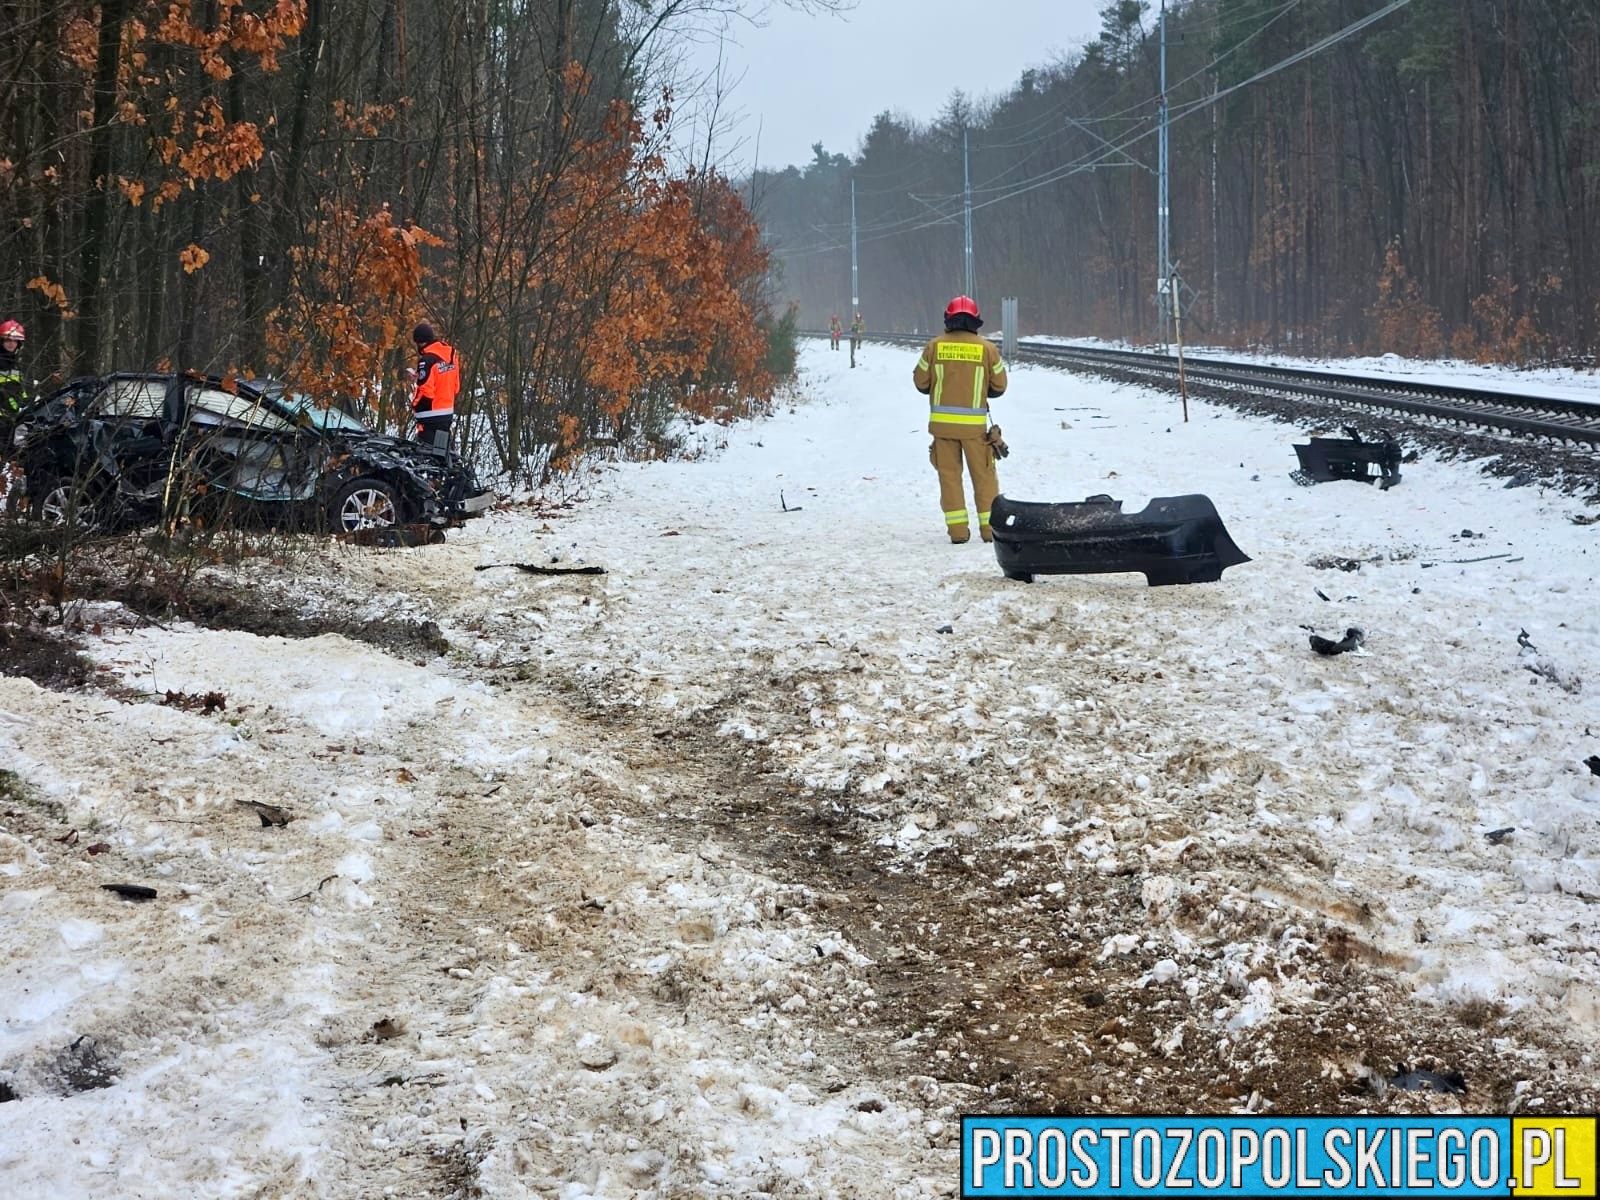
(855, 269)
(1164, 297)
(966, 176)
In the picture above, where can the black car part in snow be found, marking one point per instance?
(1353, 639)
(1176, 539)
(120, 450)
(1325, 460)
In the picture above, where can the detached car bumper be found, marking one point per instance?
(1175, 539)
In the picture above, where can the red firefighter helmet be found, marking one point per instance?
(962, 305)
(13, 331)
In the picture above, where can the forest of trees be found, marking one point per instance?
(287, 186)
(1429, 184)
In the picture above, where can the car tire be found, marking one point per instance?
(59, 502)
(366, 503)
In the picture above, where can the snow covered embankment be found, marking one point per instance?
(1096, 721)
(445, 970)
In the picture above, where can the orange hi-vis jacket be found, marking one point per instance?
(438, 381)
(959, 372)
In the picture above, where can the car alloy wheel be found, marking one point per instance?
(62, 505)
(368, 506)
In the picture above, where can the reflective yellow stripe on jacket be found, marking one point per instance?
(972, 407)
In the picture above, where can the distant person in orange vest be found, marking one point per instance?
(438, 383)
(835, 330)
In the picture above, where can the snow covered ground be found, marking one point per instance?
(1563, 383)
(728, 874)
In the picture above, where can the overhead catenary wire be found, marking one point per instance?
(991, 185)
(1103, 156)
(916, 221)
(1048, 119)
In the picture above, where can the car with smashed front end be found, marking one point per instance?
(121, 450)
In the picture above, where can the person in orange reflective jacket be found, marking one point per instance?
(959, 372)
(835, 330)
(438, 383)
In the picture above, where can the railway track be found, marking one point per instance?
(1567, 421)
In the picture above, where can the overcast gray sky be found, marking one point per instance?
(822, 78)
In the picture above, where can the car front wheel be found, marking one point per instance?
(60, 502)
(366, 504)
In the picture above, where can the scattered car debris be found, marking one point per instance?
(270, 814)
(1497, 837)
(945, 629)
(396, 537)
(1353, 639)
(1525, 640)
(207, 704)
(7, 1092)
(786, 506)
(1449, 1083)
(1581, 519)
(84, 1067)
(1334, 562)
(536, 569)
(326, 880)
(135, 892)
(1566, 680)
(1327, 460)
(97, 848)
(1593, 763)
(1460, 562)
(1173, 540)
(386, 1029)
(1521, 479)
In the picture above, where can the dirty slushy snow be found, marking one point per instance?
(619, 896)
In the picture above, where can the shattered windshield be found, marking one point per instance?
(331, 417)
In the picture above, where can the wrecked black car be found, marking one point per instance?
(119, 451)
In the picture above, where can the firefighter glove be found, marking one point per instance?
(996, 442)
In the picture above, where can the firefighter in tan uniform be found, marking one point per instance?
(959, 372)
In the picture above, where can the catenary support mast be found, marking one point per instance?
(966, 188)
(1164, 297)
(855, 266)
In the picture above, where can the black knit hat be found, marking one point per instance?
(423, 334)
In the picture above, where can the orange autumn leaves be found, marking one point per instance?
(678, 309)
(657, 280)
(361, 276)
(164, 51)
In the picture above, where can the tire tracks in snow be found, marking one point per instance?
(997, 969)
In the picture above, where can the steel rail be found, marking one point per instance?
(1509, 412)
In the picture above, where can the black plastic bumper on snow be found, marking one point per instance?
(1176, 539)
(1324, 460)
